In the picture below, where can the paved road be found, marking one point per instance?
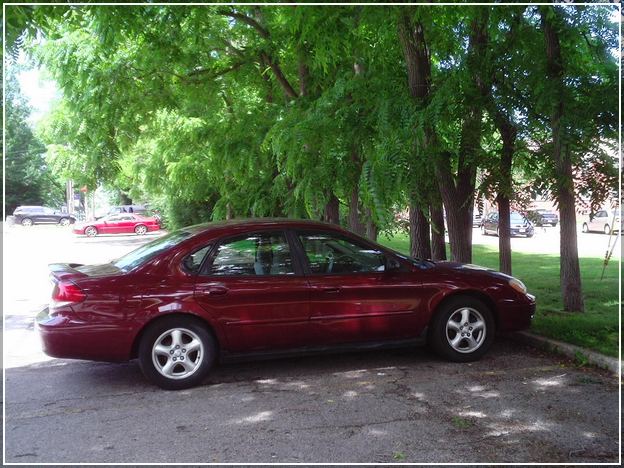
(515, 405)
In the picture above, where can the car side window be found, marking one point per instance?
(259, 254)
(601, 214)
(334, 254)
(192, 263)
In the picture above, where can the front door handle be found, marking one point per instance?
(213, 290)
(331, 290)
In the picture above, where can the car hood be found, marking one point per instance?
(469, 268)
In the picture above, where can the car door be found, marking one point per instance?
(47, 216)
(255, 288)
(126, 224)
(352, 296)
(108, 225)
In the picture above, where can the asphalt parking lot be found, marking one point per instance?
(515, 405)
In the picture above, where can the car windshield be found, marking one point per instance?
(148, 251)
(516, 217)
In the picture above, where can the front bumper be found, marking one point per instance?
(71, 338)
(514, 316)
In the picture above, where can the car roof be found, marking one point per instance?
(235, 226)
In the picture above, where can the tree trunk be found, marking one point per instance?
(508, 135)
(438, 244)
(332, 211)
(418, 63)
(420, 243)
(458, 203)
(570, 272)
(355, 224)
(371, 227)
(504, 237)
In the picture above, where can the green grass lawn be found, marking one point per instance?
(596, 329)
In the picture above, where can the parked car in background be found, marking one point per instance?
(29, 215)
(541, 217)
(123, 223)
(134, 209)
(519, 225)
(603, 221)
(477, 219)
(233, 288)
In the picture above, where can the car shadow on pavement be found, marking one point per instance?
(515, 404)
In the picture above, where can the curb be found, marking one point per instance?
(569, 350)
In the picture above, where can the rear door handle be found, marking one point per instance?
(330, 290)
(212, 290)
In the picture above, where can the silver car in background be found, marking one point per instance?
(603, 221)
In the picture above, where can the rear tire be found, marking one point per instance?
(607, 229)
(64, 222)
(462, 315)
(27, 222)
(164, 358)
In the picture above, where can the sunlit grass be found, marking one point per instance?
(596, 328)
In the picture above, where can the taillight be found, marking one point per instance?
(65, 293)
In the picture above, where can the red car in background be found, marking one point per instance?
(122, 223)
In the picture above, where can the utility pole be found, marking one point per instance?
(70, 196)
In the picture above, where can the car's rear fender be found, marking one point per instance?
(205, 322)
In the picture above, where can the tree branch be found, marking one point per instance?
(247, 20)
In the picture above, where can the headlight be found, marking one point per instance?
(518, 285)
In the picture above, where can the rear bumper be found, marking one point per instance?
(64, 337)
(518, 232)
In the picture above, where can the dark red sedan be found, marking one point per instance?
(270, 286)
(122, 223)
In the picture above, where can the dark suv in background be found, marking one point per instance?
(542, 217)
(29, 215)
(519, 225)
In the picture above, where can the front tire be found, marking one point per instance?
(177, 352)
(462, 330)
(585, 228)
(140, 230)
(607, 229)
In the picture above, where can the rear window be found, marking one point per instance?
(141, 255)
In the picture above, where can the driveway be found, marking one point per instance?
(515, 405)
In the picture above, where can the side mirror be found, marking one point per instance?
(392, 264)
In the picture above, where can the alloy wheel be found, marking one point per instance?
(466, 330)
(177, 353)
